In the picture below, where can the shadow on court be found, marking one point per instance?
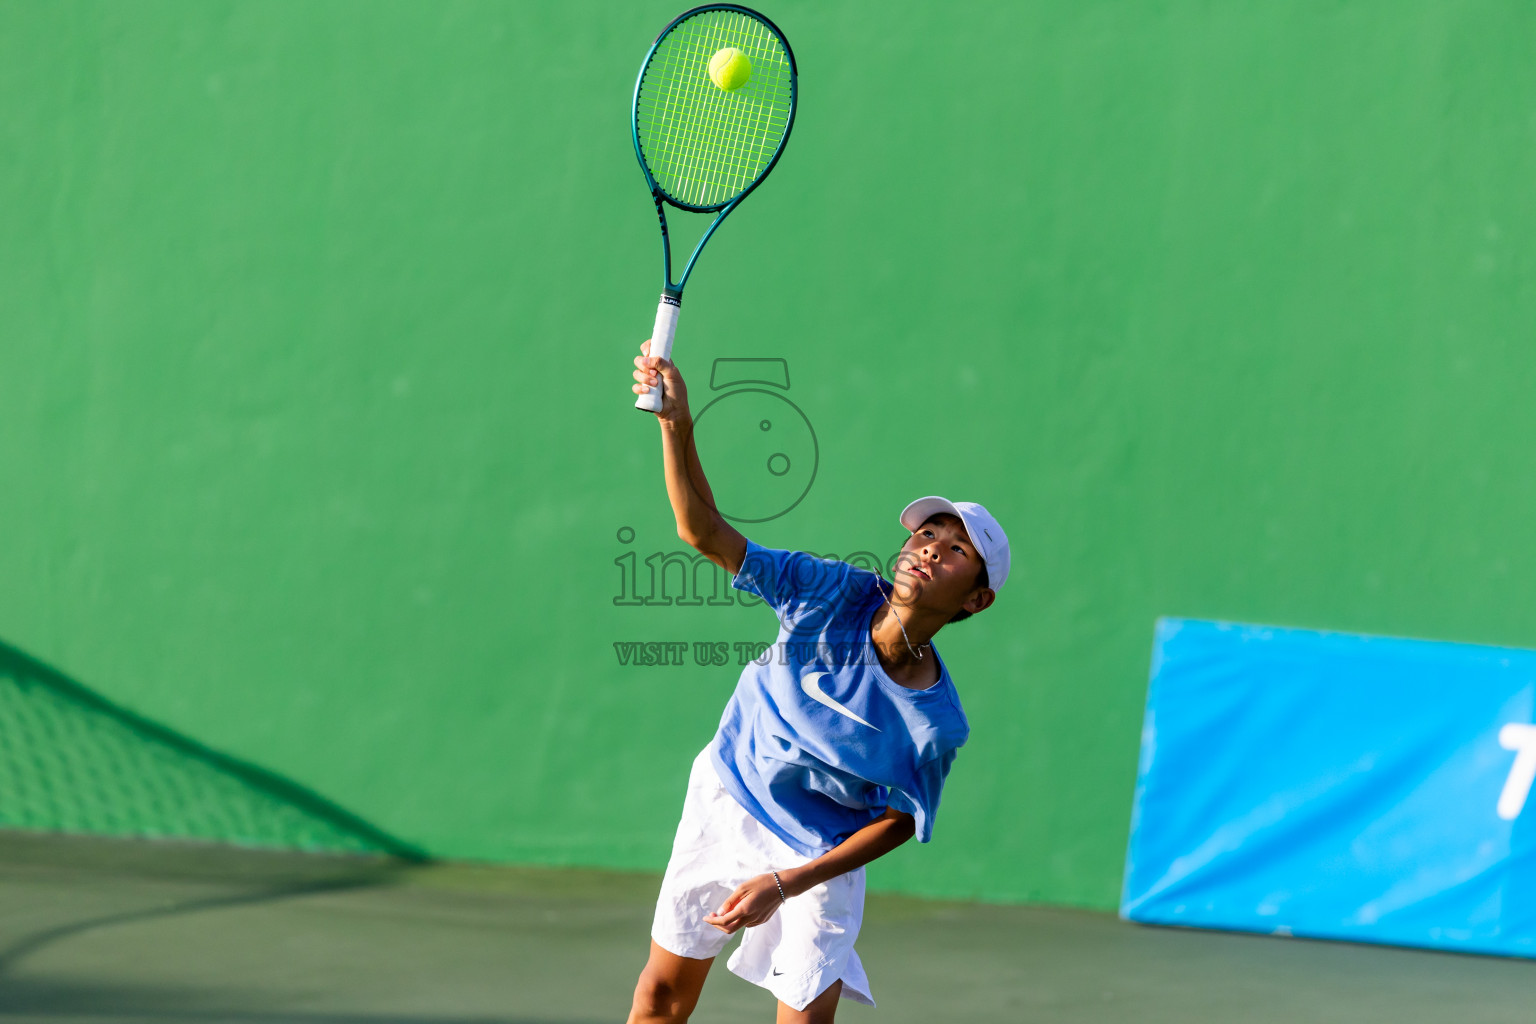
(114, 931)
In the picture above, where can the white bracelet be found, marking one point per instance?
(782, 897)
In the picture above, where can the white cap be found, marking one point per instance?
(987, 537)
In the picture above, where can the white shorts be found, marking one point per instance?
(799, 952)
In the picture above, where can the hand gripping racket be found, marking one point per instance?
(713, 107)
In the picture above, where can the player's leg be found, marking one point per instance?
(669, 988)
(701, 873)
(819, 1011)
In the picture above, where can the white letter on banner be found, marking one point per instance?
(1522, 773)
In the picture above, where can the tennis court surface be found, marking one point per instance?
(113, 931)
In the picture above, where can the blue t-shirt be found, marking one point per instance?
(817, 741)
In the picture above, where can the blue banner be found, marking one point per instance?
(1336, 786)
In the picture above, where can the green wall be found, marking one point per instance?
(315, 320)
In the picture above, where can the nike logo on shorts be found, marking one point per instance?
(810, 683)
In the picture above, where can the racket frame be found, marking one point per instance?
(672, 292)
(658, 195)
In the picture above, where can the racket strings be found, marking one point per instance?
(704, 145)
(733, 150)
(694, 134)
(696, 154)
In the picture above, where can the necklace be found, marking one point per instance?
(915, 652)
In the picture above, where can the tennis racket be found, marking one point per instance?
(714, 104)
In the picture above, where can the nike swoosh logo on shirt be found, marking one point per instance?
(811, 684)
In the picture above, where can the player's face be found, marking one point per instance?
(938, 565)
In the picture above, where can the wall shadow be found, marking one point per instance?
(77, 762)
(77, 766)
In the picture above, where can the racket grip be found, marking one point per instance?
(661, 345)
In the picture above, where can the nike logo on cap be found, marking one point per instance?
(811, 684)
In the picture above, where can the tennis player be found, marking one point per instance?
(832, 751)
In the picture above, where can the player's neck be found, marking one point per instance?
(909, 660)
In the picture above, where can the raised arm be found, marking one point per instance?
(699, 523)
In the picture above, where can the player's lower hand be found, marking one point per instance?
(753, 902)
(649, 369)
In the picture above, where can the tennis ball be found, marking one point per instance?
(730, 69)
